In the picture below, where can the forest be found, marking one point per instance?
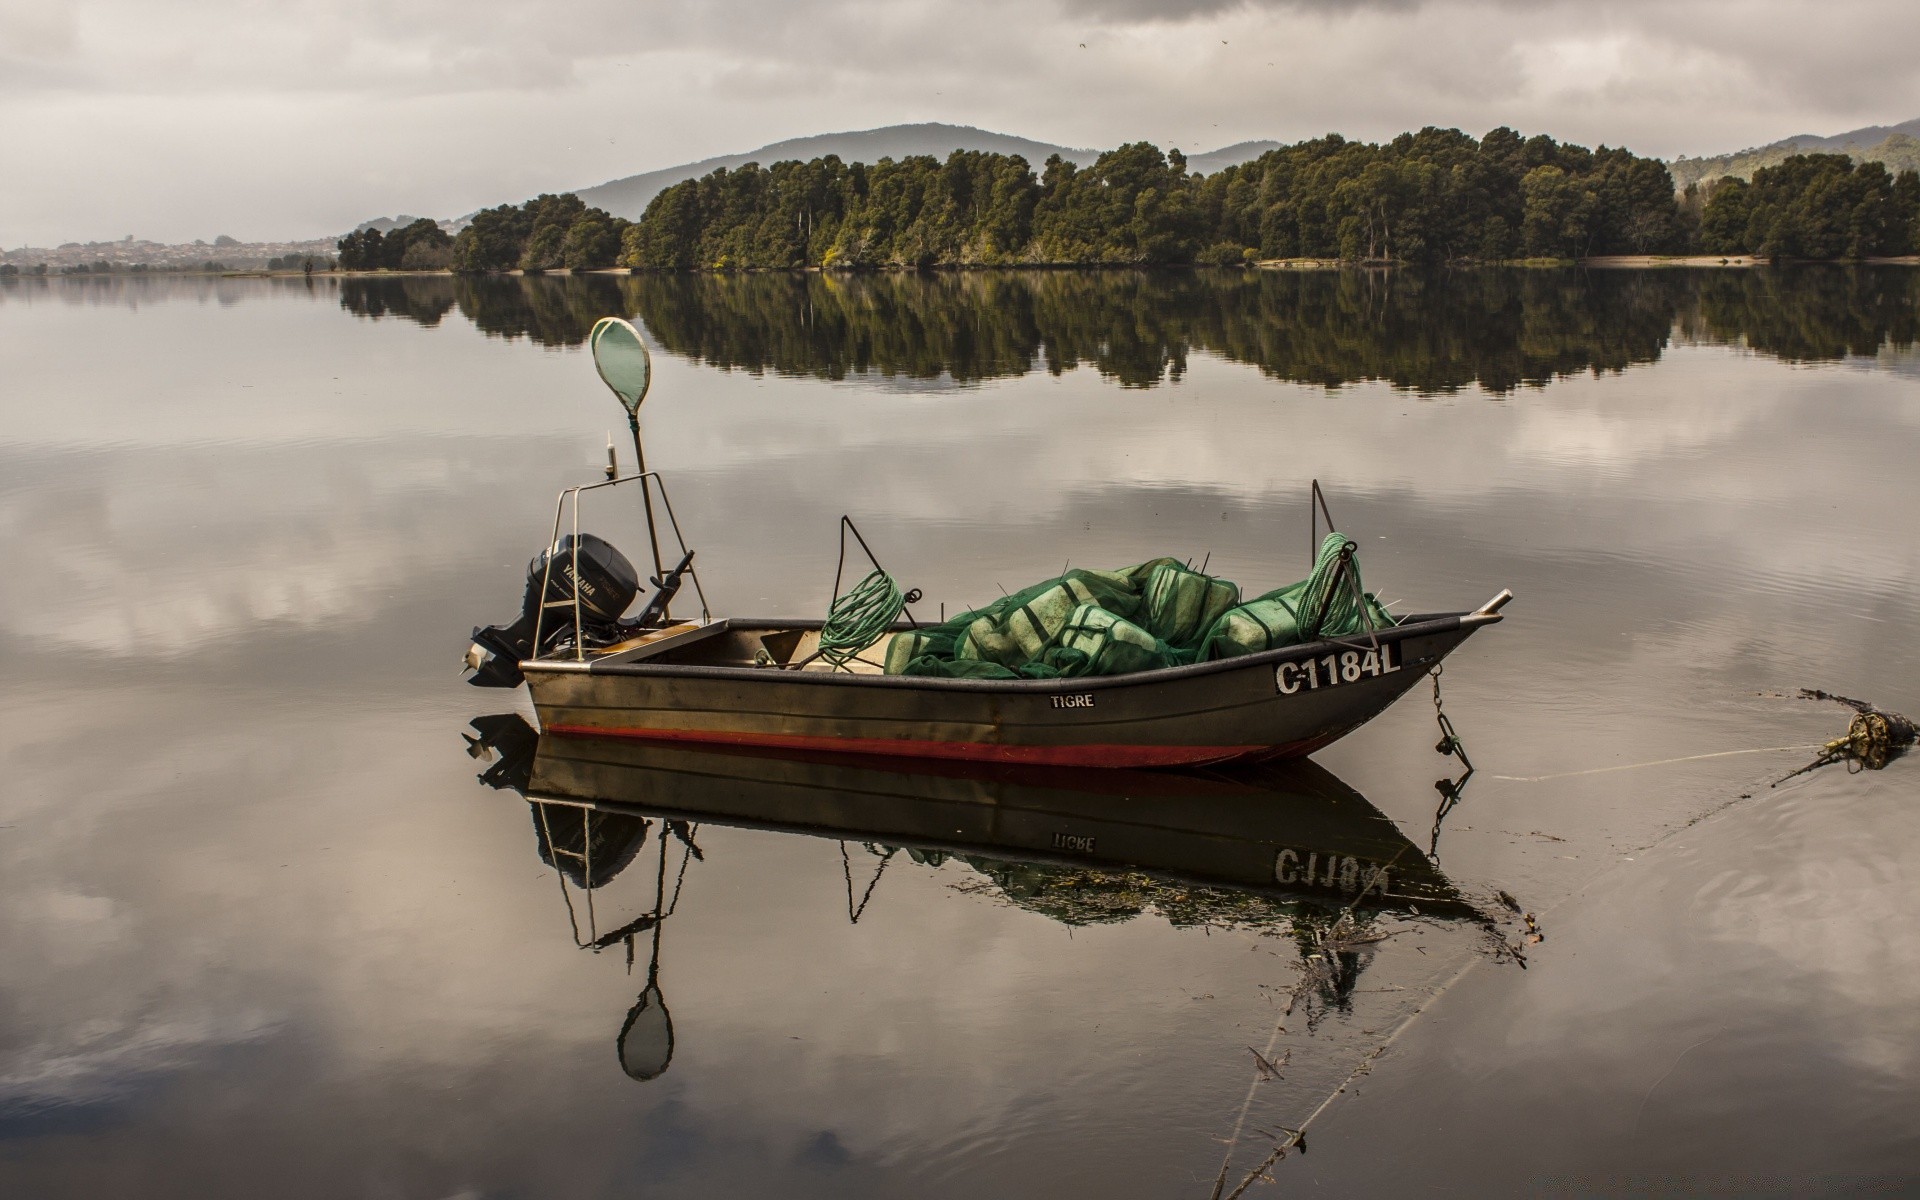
(1433, 196)
(1436, 196)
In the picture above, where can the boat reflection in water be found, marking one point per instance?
(1282, 847)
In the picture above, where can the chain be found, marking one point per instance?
(1450, 746)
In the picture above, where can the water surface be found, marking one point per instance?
(265, 931)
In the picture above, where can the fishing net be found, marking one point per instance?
(1158, 614)
(1322, 605)
(1182, 605)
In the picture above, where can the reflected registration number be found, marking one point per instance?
(1332, 670)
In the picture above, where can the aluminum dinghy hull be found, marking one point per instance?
(709, 691)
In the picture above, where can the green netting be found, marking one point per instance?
(1158, 614)
(1322, 605)
(1182, 605)
(1097, 642)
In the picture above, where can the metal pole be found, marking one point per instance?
(646, 497)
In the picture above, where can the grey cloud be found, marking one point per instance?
(218, 116)
(1128, 11)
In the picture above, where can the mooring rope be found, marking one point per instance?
(1658, 762)
(859, 618)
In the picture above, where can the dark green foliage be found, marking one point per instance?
(1814, 206)
(362, 250)
(591, 242)
(422, 245)
(1433, 196)
(1906, 199)
(544, 234)
(493, 240)
(1429, 197)
(1133, 206)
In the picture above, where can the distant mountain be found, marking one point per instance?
(1898, 146)
(387, 224)
(628, 197)
(1229, 156)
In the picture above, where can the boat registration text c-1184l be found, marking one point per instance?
(1338, 667)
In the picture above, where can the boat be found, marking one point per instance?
(776, 684)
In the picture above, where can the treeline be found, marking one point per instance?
(1815, 206)
(1429, 332)
(421, 246)
(1433, 196)
(547, 233)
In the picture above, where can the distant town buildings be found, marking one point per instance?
(132, 254)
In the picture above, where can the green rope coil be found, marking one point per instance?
(859, 618)
(1325, 604)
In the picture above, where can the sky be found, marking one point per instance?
(206, 117)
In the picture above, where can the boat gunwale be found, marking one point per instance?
(1434, 625)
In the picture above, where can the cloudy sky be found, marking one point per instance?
(202, 117)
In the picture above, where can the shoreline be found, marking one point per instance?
(1598, 262)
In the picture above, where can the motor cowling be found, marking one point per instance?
(602, 580)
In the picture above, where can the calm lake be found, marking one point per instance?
(264, 930)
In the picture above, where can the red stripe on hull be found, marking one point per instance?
(1082, 755)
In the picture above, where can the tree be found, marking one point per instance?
(421, 245)
(1906, 204)
(493, 240)
(592, 242)
(362, 250)
(1723, 222)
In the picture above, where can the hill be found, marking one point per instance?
(628, 197)
(1225, 156)
(1898, 146)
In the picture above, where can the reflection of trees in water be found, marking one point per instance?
(552, 312)
(1105, 896)
(1429, 332)
(1335, 942)
(420, 299)
(1075, 895)
(1809, 314)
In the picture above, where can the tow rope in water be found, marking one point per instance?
(859, 618)
(1658, 762)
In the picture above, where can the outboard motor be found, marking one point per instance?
(606, 586)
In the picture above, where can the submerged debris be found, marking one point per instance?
(1874, 738)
